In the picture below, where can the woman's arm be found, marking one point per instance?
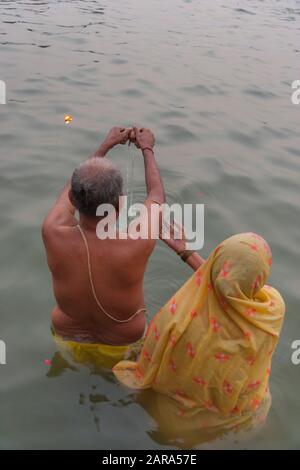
(174, 238)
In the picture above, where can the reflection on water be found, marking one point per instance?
(59, 365)
(171, 429)
(166, 427)
(213, 80)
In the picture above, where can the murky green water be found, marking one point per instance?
(213, 80)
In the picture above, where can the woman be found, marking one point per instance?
(208, 351)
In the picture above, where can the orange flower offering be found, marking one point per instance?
(68, 118)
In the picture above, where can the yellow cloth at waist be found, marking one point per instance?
(97, 354)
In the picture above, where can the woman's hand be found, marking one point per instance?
(173, 235)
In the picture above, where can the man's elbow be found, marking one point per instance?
(46, 229)
(157, 196)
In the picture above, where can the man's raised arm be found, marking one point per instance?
(62, 214)
(144, 139)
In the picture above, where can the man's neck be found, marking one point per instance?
(89, 223)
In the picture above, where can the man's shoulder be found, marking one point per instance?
(55, 235)
(139, 245)
(130, 255)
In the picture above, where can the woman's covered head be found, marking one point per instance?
(241, 265)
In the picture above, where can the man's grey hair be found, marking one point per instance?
(94, 182)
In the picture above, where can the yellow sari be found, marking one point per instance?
(209, 349)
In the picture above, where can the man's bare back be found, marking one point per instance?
(118, 268)
(117, 265)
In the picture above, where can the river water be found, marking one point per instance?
(213, 81)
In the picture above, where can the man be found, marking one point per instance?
(98, 284)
